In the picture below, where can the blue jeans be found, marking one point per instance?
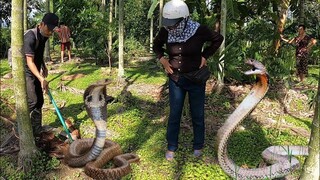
(177, 93)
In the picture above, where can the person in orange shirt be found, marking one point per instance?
(64, 36)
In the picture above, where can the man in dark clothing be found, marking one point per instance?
(36, 71)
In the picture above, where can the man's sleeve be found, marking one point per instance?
(215, 40)
(158, 43)
(29, 43)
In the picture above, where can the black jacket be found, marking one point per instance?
(186, 57)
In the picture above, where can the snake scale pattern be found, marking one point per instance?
(279, 157)
(96, 152)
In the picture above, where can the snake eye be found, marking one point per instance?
(89, 98)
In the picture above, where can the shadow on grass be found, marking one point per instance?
(149, 111)
(246, 146)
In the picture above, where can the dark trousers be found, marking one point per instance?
(177, 93)
(35, 93)
(35, 103)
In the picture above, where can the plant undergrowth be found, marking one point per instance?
(137, 121)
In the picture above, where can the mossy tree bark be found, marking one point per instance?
(121, 39)
(284, 6)
(160, 14)
(47, 48)
(25, 15)
(110, 34)
(223, 25)
(28, 149)
(302, 14)
(310, 170)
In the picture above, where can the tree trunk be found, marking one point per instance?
(110, 34)
(115, 8)
(103, 6)
(47, 48)
(103, 11)
(223, 22)
(51, 39)
(160, 14)
(284, 6)
(28, 150)
(310, 170)
(151, 35)
(25, 16)
(121, 34)
(302, 15)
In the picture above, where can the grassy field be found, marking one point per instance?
(137, 121)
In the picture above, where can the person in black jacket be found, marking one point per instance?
(184, 40)
(36, 71)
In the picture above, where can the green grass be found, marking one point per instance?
(145, 75)
(305, 122)
(138, 123)
(313, 76)
(4, 67)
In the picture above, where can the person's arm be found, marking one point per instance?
(158, 43)
(312, 43)
(158, 49)
(69, 32)
(33, 68)
(215, 40)
(286, 40)
(44, 70)
(58, 30)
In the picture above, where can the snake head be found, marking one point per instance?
(257, 67)
(95, 95)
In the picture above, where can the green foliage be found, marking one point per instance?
(152, 8)
(88, 26)
(40, 165)
(134, 48)
(305, 123)
(198, 170)
(5, 40)
(5, 8)
(4, 67)
(245, 147)
(8, 170)
(6, 94)
(138, 10)
(142, 74)
(5, 110)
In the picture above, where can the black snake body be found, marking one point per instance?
(95, 153)
(280, 157)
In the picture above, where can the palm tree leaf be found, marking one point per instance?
(152, 8)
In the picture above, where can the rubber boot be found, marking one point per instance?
(36, 122)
